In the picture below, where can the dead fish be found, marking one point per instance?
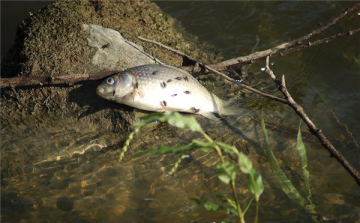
(163, 88)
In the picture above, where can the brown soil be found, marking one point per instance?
(52, 42)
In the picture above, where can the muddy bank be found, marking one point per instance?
(60, 144)
(53, 41)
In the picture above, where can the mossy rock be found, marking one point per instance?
(52, 42)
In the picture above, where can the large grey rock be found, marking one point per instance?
(114, 52)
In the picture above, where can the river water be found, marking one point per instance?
(85, 183)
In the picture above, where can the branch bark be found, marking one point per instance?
(231, 80)
(317, 132)
(279, 50)
(46, 80)
(288, 47)
(289, 100)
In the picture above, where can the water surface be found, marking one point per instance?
(67, 169)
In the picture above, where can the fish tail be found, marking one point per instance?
(230, 107)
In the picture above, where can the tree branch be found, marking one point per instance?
(217, 72)
(317, 132)
(287, 47)
(317, 42)
(279, 50)
(46, 80)
(289, 100)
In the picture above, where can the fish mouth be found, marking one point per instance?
(100, 91)
(104, 93)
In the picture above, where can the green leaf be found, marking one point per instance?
(285, 184)
(227, 148)
(245, 163)
(148, 119)
(196, 145)
(175, 119)
(256, 185)
(209, 206)
(230, 201)
(180, 121)
(300, 147)
(265, 134)
(203, 146)
(226, 171)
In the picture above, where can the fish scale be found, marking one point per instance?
(162, 88)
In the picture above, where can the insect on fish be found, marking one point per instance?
(163, 88)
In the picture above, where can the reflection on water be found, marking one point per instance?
(67, 169)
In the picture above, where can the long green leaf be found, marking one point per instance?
(300, 147)
(255, 183)
(245, 163)
(227, 148)
(285, 184)
(196, 145)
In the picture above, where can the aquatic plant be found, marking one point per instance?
(226, 170)
(284, 182)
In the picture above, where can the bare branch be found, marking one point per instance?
(217, 72)
(314, 43)
(46, 80)
(287, 47)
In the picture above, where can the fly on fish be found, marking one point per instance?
(163, 88)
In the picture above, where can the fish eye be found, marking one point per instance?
(110, 81)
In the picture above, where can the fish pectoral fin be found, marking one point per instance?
(210, 115)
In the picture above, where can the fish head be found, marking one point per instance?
(115, 86)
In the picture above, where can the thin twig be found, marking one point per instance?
(286, 48)
(217, 72)
(289, 100)
(317, 132)
(314, 43)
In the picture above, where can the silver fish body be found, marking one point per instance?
(163, 88)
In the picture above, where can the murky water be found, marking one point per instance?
(72, 174)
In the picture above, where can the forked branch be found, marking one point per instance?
(317, 132)
(291, 46)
